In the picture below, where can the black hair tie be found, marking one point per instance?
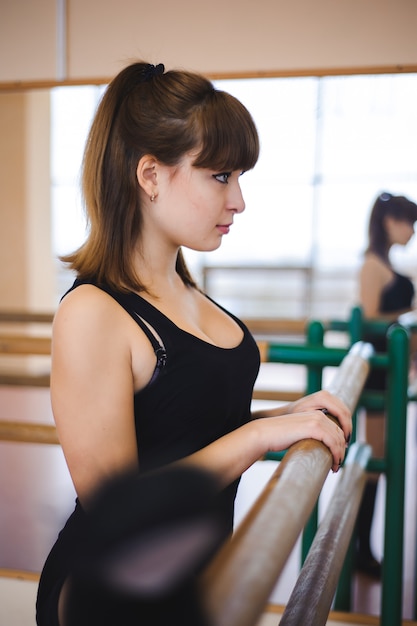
(385, 196)
(150, 71)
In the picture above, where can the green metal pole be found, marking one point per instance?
(356, 325)
(392, 571)
(343, 597)
(315, 337)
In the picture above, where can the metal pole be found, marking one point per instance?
(319, 576)
(395, 441)
(315, 338)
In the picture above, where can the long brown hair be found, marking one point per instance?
(166, 115)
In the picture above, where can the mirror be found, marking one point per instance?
(330, 145)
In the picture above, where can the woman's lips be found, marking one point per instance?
(224, 228)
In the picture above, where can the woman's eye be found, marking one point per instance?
(223, 177)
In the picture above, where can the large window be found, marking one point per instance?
(329, 146)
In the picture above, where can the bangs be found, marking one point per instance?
(227, 133)
(401, 208)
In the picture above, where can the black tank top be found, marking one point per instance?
(398, 295)
(198, 393)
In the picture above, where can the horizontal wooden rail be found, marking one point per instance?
(24, 344)
(312, 596)
(26, 317)
(26, 432)
(277, 395)
(276, 326)
(279, 326)
(34, 345)
(24, 379)
(19, 574)
(241, 577)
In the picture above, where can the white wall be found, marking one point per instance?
(213, 37)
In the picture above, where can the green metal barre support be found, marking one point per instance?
(392, 571)
(315, 338)
(393, 465)
(357, 325)
(315, 357)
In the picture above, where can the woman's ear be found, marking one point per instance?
(147, 175)
(389, 222)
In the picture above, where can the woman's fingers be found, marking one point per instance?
(329, 404)
(334, 438)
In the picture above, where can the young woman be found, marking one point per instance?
(147, 371)
(384, 293)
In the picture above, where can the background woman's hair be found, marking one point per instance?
(164, 115)
(387, 205)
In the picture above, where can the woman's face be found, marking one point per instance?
(195, 207)
(399, 231)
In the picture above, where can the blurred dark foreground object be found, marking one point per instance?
(149, 536)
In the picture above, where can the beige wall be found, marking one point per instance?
(26, 267)
(13, 284)
(212, 37)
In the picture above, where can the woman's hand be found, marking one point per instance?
(281, 432)
(327, 403)
(321, 400)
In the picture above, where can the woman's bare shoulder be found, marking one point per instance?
(87, 306)
(89, 322)
(376, 267)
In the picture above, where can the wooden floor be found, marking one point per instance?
(37, 495)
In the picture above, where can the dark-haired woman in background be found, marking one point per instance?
(384, 294)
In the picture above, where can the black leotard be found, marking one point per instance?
(398, 295)
(198, 393)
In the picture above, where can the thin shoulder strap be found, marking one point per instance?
(124, 300)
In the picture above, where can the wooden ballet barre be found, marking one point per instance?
(276, 326)
(277, 395)
(311, 599)
(23, 379)
(25, 432)
(24, 344)
(26, 317)
(238, 582)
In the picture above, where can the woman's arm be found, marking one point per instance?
(92, 387)
(230, 456)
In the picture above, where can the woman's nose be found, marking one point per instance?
(236, 201)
